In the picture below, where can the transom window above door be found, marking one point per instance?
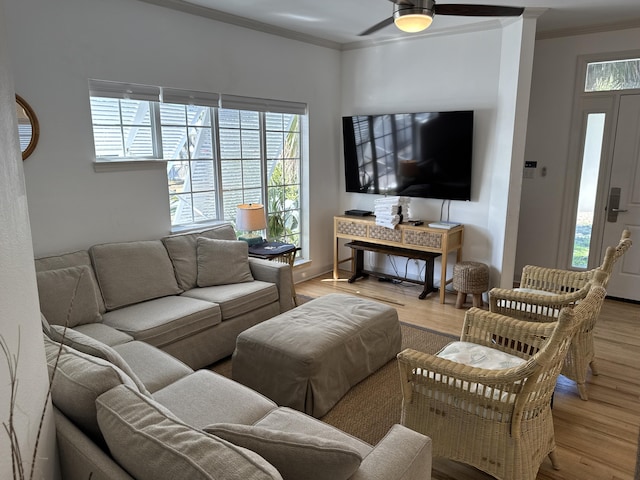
(613, 75)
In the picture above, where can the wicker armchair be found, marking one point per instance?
(498, 420)
(544, 291)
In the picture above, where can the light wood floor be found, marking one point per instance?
(596, 439)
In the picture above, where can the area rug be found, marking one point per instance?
(370, 408)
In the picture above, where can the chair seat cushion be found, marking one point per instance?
(479, 356)
(237, 299)
(163, 321)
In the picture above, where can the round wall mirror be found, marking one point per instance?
(28, 128)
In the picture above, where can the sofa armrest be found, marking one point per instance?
(278, 273)
(402, 454)
(80, 458)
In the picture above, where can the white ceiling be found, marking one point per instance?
(338, 22)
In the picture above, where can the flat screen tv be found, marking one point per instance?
(410, 154)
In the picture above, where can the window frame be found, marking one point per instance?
(158, 95)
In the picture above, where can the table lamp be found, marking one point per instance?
(250, 218)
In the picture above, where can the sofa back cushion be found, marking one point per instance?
(85, 344)
(78, 380)
(183, 252)
(132, 272)
(73, 259)
(151, 443)
(296, 455)
(222, 262)
(68, 296)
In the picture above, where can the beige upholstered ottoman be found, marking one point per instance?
(309, 357)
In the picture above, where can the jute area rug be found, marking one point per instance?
(370, 408)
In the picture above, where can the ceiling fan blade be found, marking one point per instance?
(378, 26)
(478, 10)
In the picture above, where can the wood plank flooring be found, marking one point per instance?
(596, 439)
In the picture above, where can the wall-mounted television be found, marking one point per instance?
(410, 154)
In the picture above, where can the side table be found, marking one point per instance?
(280, 252)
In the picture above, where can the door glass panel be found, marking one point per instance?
(613, 75)
(588, 187)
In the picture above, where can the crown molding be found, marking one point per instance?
(219, 16)
(571, 32)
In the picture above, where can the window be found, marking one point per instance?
(588, 184)
(613, 75)
(220, 150)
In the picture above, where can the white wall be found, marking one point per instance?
(478, 71)
(57, 46)
(19, 316)
(548, 135)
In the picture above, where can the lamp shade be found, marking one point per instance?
(250, 217)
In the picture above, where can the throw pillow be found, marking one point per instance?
(68, 296)
(85, 344)
(182, 250)
(151, 443)
(295, 455)
(222, 262)
(78, 379)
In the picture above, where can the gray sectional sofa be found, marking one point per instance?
(127, 324)
(135, 412)
(189, 295)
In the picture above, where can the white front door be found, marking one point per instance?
(623, 203)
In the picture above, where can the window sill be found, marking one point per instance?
(127, 165)
(197, 226)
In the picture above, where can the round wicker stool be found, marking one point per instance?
(470, 277)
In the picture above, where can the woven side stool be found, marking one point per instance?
(470, 278)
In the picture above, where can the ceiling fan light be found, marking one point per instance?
(412, 22)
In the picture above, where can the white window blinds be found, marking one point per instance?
(130, 91)
(235, 102)
(189, 97)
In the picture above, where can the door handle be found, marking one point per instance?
(614, 205)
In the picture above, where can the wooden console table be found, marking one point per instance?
(404, 237)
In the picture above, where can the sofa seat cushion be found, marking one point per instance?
(132, 272)
(296, 455)
(68, 296)
(150, 443)
(164, 320)
(237, 299)
(182, 250)
(213, 398)
(104, 333)
(155, 369)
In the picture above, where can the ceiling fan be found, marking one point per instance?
(416, 15)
